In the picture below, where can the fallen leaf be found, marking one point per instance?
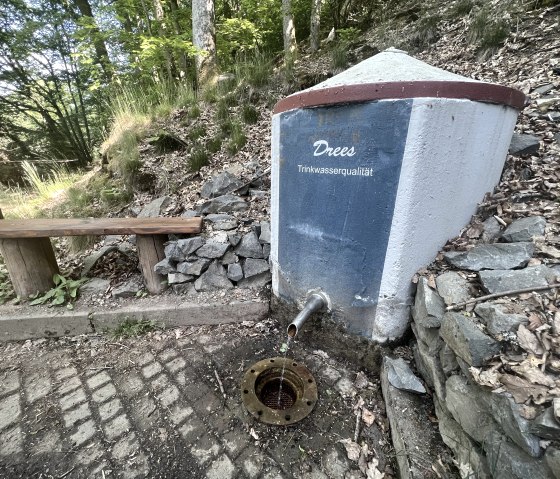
(533, 374)
(534, 321)
(361, 380)
(432, 282)
(528, 341)
(367, 416)
(372, 472)
(488, 378)
(522, 390)
(353, 450)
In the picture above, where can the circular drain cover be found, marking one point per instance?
(279, 391)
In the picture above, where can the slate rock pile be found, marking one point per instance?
(494, 366)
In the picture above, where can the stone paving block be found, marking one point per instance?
(9, 410)
(125, 447)
(98, 380)
(234, 442)
(275, 473)
(11, 441)
(181, 378)
(131, 384)
(329, 374)
(169, 395)
(221, 468)
(334, 463)
(136, 468)
(160, 382)
(178, 413)
(103, 394)
(167, 354)
(176, 365)
(83, 433)
(9, 381)
(64, 373)
(207, 404)
(192, 429)
(37, 386)
(109, 409)
(144, 412)
(151, 370)
(144, 359)
(50, 442)
(76, 415)
(205, 449)
(252, 462)
(195, 390)
(116, 427)
(70, 400)
(68, 385)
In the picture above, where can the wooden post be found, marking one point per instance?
(151, 251)
(31, 264)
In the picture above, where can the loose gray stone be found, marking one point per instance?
(266, 250)
(492, 230)
(175, 278)
(556, 407)
(466, 340)
(213, 279)
(256, 282)
(506, 280)
(155, 207)
(193, 267)
(265, 232)
(524, 229)
(552, 459)
(184, 288)
(95, 286)
(508, 415)
(220, 184)
(523, 145)
(189, 245)
(430, 369)
(223, 204)
(235, 272)
(546, 425)
(234, 238)
(252, 267)
(428, 306)
(229, 258)
(212, 249)
(401, 376)
(222, 222)
(467, 451)
(468, 404)
(165, 266)
(92, 259)
(189, 214)
(492, 256)
(544, 89)
(429, 336)
(173, 252)
(127, 289)
(448, 360)
(510, 462)
(498, 319)
(249, 246)
(453, 288)
(125, 248)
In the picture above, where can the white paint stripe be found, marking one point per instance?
(275, 200)
(454, 154)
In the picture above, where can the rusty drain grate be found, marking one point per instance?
(264, 399)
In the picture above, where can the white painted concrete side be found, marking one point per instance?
(454, 154)
(389, 66)
(275, 201)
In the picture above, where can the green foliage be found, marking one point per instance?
(196, 132)
(237, 139)
(64, 292)
(339, 57)
(199, 158)
(348, 35)
(238, 36)
(6, 290)
(194, 112)
(488, 31)
(426, 31)
(254, 70)
(249, 114)
(222, 111)
(462, 8)
(131, 328)
(226, 126)
(213, 145)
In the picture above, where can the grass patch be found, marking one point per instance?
(193, 112)
(237, 139)
(196, 132)
(426, 32)
(199, 158)
(489, 32)
(131, 328)
(213, 145)
(462, 8)
(249, 114)
(222, 111)
(339, 57)
(255, 70)
(226, 126)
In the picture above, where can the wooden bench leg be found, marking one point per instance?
(31, 264)
(151, 251)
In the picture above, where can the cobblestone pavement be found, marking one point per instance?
(96, 407)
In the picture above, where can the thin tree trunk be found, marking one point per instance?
(204, 40)
(315, 25)
(182, 56)
(290, 45)
(158, 8)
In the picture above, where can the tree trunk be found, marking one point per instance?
(158, 8)
(204, 39)
(290, 45)
(182, 56)
(101, 54)
(315, 25)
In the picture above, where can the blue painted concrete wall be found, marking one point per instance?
(338, 176)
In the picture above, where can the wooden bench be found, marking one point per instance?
(29, 256)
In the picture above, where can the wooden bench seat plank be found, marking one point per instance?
(44, 228)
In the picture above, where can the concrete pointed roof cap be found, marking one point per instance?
(393, 74)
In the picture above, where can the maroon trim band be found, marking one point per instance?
(484, 92)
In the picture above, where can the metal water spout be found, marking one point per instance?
(315, 302)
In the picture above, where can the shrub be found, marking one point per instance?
(196, 132)
(199, 158)
(213, 145)
(249, 114)
(237, 139)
